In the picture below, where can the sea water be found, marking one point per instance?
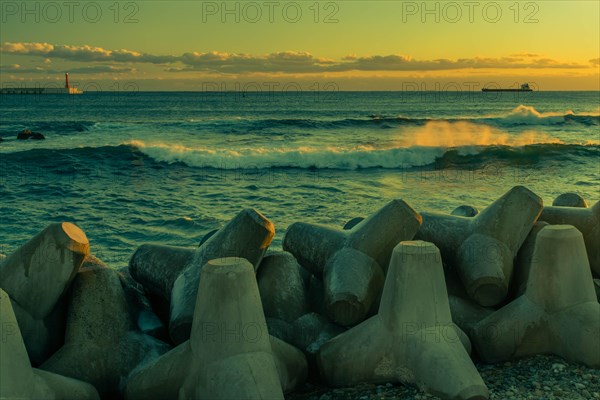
(132, 168)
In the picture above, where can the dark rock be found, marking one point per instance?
(24, 134)
(27, 134)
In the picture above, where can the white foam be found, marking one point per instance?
(418, 147)
(298, 157)
(528, 115)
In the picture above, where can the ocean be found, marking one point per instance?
(167, 167)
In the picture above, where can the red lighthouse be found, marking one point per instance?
(67, 81)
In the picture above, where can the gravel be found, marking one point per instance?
(539, 377)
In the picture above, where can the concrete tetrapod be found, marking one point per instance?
(465, 312)
(587, 221)
(283, 288)
(157, 267)
(353, 262)
(570, 199)
(291, 364)
(465, 211)
(102, 342)
(524, 259)
(172, 273)
(20, 381)
(412, 339)
(247, 235)
(42, 337)
(352, 223)
(280, 329)
(316, 295)
(35, 277)
(140, 308)
(309, 333)
(229, 353)
(482, 248)
(558, 313)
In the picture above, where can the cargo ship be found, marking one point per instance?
(524, 88)
(43, 90)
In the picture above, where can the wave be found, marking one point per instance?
(358, 158)
(158, 155)
(48, 126)
(520, 116)
(527, 115)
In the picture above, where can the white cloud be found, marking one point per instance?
(279, 62)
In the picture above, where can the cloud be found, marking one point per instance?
(278, 62)
(17, 68)
(83, 53)
(526, 55)
(92, 69)
(595, 61)
(288, 61)
(27, 48)
(404, 63)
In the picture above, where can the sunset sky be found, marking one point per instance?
(358, 45)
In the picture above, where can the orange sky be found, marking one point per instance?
(354, 45)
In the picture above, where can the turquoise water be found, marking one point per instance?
(131, 168)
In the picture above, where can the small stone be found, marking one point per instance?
(558, 366)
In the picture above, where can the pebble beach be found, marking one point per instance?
(534, 378)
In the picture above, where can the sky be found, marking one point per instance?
(262, 45)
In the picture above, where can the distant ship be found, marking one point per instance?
(524, 88)
(43, 90)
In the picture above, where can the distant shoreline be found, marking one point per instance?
(318, 91)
